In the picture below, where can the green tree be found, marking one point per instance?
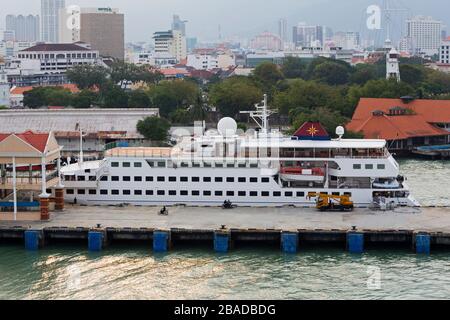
(35, 98)
(363, 73)
(153, 128)
(235, 94)
(122, 72)
(331, 73)
(84, 99)
(115, 97)
(88, 76)
(293, 68)
(268, 73)
(412, 74)
(139, 99)
(47, 96)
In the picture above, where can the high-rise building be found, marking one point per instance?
(179, 25)
(50, 20)
(25, 28)
(266, 41)
(170, 42)
(104, 30)
(308, 36)
(425, 34)
(69, 25)
(347, 40)
(282, 30)
(444, 52)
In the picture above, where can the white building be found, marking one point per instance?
(25, 28)
(425, 34)
(50, 10)
(210, 61)
(171, 42)
(69, 25)
(57, 58)
(444, 52)
(4, 87)
(11, 48)
(308, 36)
(347, 40)
(392, 65)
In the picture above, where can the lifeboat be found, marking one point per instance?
(302, 174)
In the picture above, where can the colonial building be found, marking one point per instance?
(406, 123)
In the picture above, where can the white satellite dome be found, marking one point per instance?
(227, 127)
(340, 131)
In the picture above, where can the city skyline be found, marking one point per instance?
(249, 20)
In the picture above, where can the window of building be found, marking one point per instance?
(149, 179)
(149, 192)
(81, 191)
(219, 165)
(184, 179)
(92, 192)
(207, 193)
(381, 166)
(253, 180)
(126, 164)
(242, 179)
(104, 178)
(265, 180)
(277, 194)
(92, 178)
(242, 193)
(70, 191)
(265, 194)
(114, 178)
(230, 193)
(300, 194)
(138, 164)
(218, 193)
(161, 179)
(172, 179)
(114, 164)
(115, 192)
(230, 179)
(126, 192)
(126, 178)
(81, 178)
(161, 164)
(288, 194)
(218, 179)
(138, 179)
(104, 192)
(138, 192)
(161, 192)
(253, 193)
(195, 179)
(195, 193)
(206, 179)
(356, 166)
(184, 193)
(172, 193)
(369, 166)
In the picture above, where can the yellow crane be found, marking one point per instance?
(326, 202)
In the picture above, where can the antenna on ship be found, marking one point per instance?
(261, 115)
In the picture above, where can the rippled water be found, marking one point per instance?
(137, 273)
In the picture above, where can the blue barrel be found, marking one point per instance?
(160, 241)
(32, 240)
(221, 242)
(423, 244)
(95, 241)
(289, 242)
(355, 242)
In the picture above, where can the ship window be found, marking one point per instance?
(230, 165)
(207, 164)
(218, 179)
(336, 193)
(138, 192)
(369, 166)
(265, 194)
(114, 164)
(185, 165)
(161, 179)
(265, 180)
(207, 193)
(230, 179)
(253, 180)
(184, 179)
(115, 192)
(161, 192)
(148, 179)
(104, 178)
(138, 179)
(242, 193)
(288, 194)
(114, 178)
(81, 191)
(126, 192)
(161, 164)
(277, 194)
(92, 192)
(218, 193)
(172, 193)
(81, 178)
(253, 193)
(184, 193)
(149, 192)
(196, 165)
(242, 179)
(357, 166)
(206, 179)
(196, 193)
(381, 167)
(70, 191)
(242, 165)
(92, 178)
(138, 164)
(103, 192)
(219, 165)
(151, 164)
(126, 178)
(348, 194)
(172, 179)
(126, 164)
(300, 194)
(195, 179)
(324, 193)
(230, 193)
(253, 165)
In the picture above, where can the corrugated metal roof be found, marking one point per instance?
(90, 120)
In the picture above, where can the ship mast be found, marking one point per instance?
(261, 115)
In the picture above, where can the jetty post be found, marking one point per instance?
(222, 240)
(161, 240)
(95, 240)
(355, 242)
(423, 243)
(33, 239)
(289, 241)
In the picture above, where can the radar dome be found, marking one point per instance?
(227, 127)
(340, 131)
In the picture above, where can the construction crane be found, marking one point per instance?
(326, 202)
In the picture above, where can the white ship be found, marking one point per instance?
(261, 168)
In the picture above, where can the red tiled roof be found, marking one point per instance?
(419, 123)
(21, 90)
(56, 47)
(37, 140)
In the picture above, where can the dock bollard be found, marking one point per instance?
(289, 242)
(355, 242)
(95, 241)
(161, 241)
(32, 239)
(423, 243)
(221, 241)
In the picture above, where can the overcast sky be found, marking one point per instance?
(242, 18)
